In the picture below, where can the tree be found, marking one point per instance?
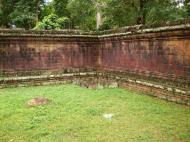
(82, 14)
(99, 5)
(6, 8)
(52, 22)
(60, 7)
(37, 7)
(130, 12)
(121, 13)
(45, 10)
(187, 8)
(92, 14)
(26, 13)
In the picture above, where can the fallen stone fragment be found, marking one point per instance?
(108, 116)
(37, 101)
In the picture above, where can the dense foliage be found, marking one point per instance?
(52, 21)
(89, 14)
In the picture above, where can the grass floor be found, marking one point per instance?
(75, 114)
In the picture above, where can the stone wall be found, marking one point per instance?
(35, 54)
(155, 60)
(164, 55)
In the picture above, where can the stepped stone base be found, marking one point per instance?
(153, 60)
(99, 80)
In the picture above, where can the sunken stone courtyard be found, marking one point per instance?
(126, 85)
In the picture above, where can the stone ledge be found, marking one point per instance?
(124, 31)
(100, 80)
(46, 76)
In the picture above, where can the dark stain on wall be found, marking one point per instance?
(165, 55)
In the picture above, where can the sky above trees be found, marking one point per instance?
(47, 1)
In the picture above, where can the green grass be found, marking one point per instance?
(75, 115)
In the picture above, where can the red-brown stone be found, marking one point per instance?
(164, 55)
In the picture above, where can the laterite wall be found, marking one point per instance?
(159, 52)
(43, 53)
(164, 54)
(154, 61)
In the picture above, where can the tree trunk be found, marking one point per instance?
(142, 14)
(37, 9)
(98, 18)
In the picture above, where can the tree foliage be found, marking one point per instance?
(187, 8)
(45, 10)
(52, 22)
(26, 13)
(6, 8)
(60, 7)
(129, 12)
(83, 14)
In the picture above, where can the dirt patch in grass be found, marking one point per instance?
(37, 101)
